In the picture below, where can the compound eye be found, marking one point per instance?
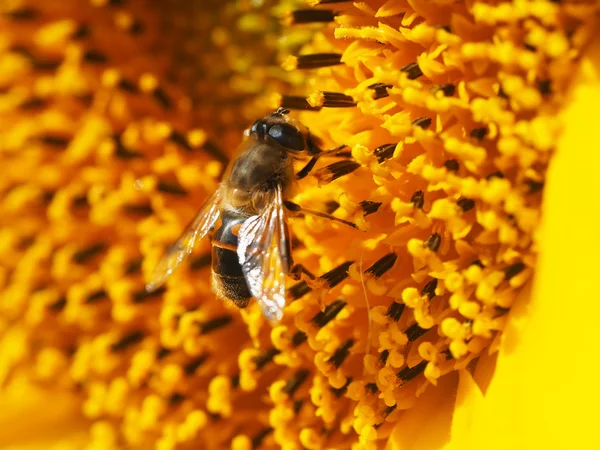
(287, 136)
(254, 126)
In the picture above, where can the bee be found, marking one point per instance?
(251, 251)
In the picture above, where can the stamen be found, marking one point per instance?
(452, 165)
(382, 265)
(299, 338)
(299, 290)
(93, 56)
(80, 201)
(341, 353)
(386, 412)
(497, 174)
(478, 263)
(408, 373)
(179, 138)
(383, 356)
(235, 381)
(414, 332)
(297, 102)
(83, 256)
(297, 406)
(331, 206)
(55, 141)
(337, 275)
(34, 103)
(128, 340)
(478, 133)
(312, 15)
(433, 242)
(38, 64)
(296, 381)
(384, 152)
(317, 60)
(96, 296)
(162, 98)
(162, 353)
(258, 438)
(447, 89)
(143, 295)
(190, 368)
(322, 318)
(395, 311)
(422, 122)
(369, 207)
(534, 186)
(380, 90)
(216, 152)
(418, 199)
(139, 210)
(545, 87)
(430, 288)
(123, 152)
(133, 267)
(412, 70)
(266, 357)
(58, 305)
(371, 387)
(466, 204)
(338, 392)
(325, 2)
(128, 86)
(336, 170)
(513, 270)
(171, 188)
(82, 32)
(176, 398)
(201, 262)
(214, 324)
(329, 99)
(24, 13)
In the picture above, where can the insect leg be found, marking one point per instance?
(293, 207)
(298, 270)
(317, 152)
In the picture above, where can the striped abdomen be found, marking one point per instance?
(227, 277)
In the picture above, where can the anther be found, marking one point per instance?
(33, 103)
(478, 133)
(299, 290)
(433, 242)
(296, 381)
(82, 32)
(96, 296)
(235, 381)
(266, 357)
(412, 70)
(331, 206)
(58, 305)
(414, 332)
(337, 100)
(162, 353)
(297, 406)
(466, 204)
(94, 56)
(380, 90)
(179, 138)
(452, 165)
(369, 207)
(299, 338)
(128, 86)
(171, 188)
(383, 356)
(191, 367)
(341, 353)
(337, 275)
(139, 210)
(371, 387)
(544, 86)
(162, 98)
(418, 199)
(133, 267)
(408, 373)
(318, 60)
(24, 14)
(143, 295)
(123, 152)
(382, 265)
(338, 392)
(201, 261)
(312, 15)
(422, 122)
(384, 152)
(322, 318)
(492, 175)
(259, 437)
(83, 256)
(429, 289)
(59, 142)
(513, 270)
(388, 410)
(176, 398)
(447, 89)
(214, 324)
(477, 263)
(534, 186)
(395, 311)
(297, 102)
(128, 340)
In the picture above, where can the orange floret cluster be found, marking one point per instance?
(117, 119)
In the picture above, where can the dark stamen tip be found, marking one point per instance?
(452, 165)
(418, 199)
(433, 242)
(408, 373)
(341, 353)
(214, 324)
(369, 207)
(466, 204)
(395, 311)
(382, 265)
(296, 381)
(322, 318)
(266, 357)
(414, 332)
(127, 340)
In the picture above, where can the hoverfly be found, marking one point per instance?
(251, 252)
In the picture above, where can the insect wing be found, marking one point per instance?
(196, 229)
(263, 255)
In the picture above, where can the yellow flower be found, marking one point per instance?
(460, 312)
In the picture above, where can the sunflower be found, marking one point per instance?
(457, 313)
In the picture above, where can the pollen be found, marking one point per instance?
(117, 121)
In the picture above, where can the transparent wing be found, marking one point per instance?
(196, 229)
(263, 255)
